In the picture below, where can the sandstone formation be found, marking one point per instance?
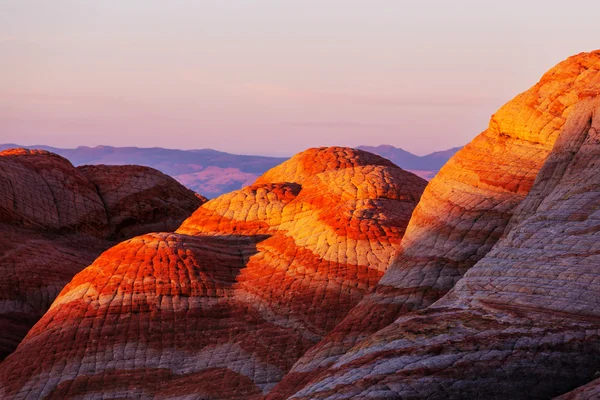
(56, 219)
(223, 307)
(140, 199)
(462, 213)
(43, 191)
(274, 290)
(524, 322)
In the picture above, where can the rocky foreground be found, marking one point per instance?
(522, 322)
(313, 284)
(462, 214)
(55, 219)
(224, 306)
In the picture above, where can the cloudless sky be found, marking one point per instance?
(274, 77)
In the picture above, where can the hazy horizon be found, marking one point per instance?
(282, 155)
(273, 78)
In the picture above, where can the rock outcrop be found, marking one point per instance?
(223, 307)
(43, 191)
(56, 219)
(462, 213)
(524, 321)
(140, 199)
(282, 289)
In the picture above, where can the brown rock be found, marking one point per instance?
(226, 305)
(463, 212)
(53, 223)
(43, 191)
(140, 199)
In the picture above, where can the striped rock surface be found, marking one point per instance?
(223, 307)
(140, 199)
(54, 222)
(43, 191)
(462, 213)
(524, 322)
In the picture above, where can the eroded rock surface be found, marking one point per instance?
(140, 199)
(43, 191)
(54, 221)
(462, 213)
(223, 307)
(524, 322)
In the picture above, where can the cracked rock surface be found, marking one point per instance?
(462, 213)
(54, 221)
(140, 199)
(523, 322)
(223, 307)
(312, 284)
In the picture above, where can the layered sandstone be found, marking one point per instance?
(223, 307)
(140, 199)
(524, 322)
(54, 221)
(463, 212)
(43, 191)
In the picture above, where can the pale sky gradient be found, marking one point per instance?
(274, 76)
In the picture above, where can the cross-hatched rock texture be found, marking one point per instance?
(56, 219)
(43, 191)
(140, 199)
(462, 213)
(524, 322)
(223, 307)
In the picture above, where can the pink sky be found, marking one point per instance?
(274, 77)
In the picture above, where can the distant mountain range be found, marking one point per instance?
(212, 173)
(424, 166)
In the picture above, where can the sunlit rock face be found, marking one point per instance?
(524, 321)
(462, 213)
(223, 307)
(54, 222)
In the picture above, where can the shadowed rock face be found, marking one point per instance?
(223, 307)
(524, 322)
(140, 199)
(590, 391)
(462, 213)
(43, 191)
(54, 222)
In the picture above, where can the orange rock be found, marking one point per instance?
(54, 221)
(493, 291)
(523, 322)
(224, 306)
(462, 213)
